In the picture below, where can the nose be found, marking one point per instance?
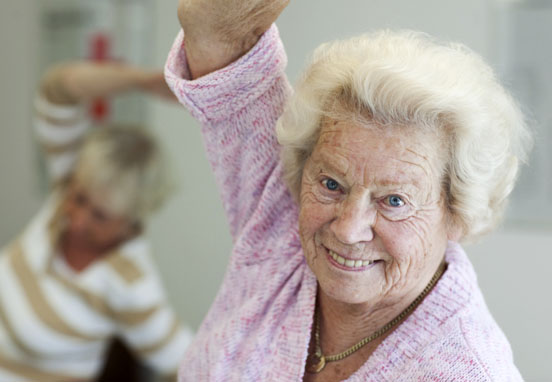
(355, 220)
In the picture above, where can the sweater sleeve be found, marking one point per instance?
(60, 131)
(238, 107)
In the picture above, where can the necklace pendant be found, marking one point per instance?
(315, 363)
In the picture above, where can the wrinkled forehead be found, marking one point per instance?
(347, 131)
(349, 143)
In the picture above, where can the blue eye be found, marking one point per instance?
(395, 201)
(331, 184)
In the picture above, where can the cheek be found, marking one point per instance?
(105, 234)
(96, 233)
(67, 208)
(409, 240)
(111, 230)
(397, 238)
(313, 217)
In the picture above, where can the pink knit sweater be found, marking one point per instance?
(259, 326)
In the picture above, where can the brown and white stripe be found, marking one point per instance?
(54, 323)
(58, 322)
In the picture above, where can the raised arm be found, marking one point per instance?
(60, 117)
(81, 81)
(227, 68)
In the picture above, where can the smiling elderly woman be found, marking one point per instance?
(394, 148)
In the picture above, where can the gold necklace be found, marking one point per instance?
(317, 361)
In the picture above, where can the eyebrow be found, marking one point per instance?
(411, 187)
(329, 161)
(335, 163)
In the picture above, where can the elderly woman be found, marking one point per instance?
(393, 148)
(81, 272)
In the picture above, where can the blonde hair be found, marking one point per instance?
(406, 78)
(124, 166)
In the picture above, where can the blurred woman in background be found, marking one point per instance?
(81, 273)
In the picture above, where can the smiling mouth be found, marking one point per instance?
(349, 264)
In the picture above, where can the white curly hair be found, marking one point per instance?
(407, 78)
(126, 168)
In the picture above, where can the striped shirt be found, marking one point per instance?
(55, 323)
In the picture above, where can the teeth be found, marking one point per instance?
(349, 263)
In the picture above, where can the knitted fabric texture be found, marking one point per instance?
(258, 328)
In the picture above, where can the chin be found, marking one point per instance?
(350, 291)
(349, 295)
(348, 287)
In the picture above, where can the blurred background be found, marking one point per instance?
(189, 236)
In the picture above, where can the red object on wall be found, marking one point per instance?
(99, 46)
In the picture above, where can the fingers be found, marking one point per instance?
(154, 84)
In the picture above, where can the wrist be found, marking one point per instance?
(206, 56)
(139, 79)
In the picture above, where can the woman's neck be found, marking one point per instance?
(342, 325)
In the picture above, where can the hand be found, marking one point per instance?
(154, 84)
(218, 32)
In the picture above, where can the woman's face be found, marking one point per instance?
(372, 216)
(90, 223)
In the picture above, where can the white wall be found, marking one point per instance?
(513, 268)
(19, 195)
(190, 235)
